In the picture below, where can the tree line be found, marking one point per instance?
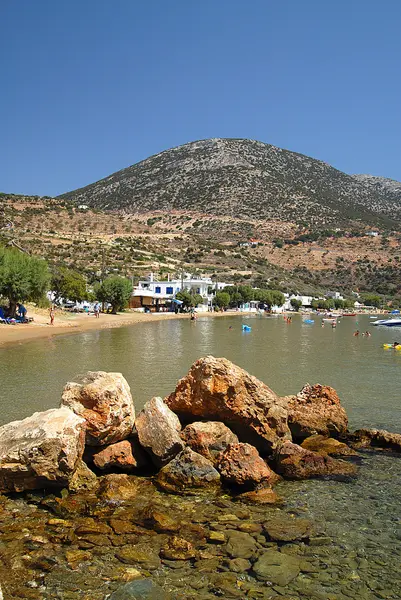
(28, 278)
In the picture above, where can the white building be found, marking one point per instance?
(151, 292)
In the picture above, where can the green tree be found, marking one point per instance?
(22, 277)
(116, 290)
(247, 292)
(295, 303)
(222, 299)
(70, 284)
(189, 299)
(372, 300)
(338, 303)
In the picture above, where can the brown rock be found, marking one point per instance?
(187, 473)
(83, 479)
(325, 445)
(316, 409)
(158, 521)
(216, 389)
(118, 488)
(294, 462)
(240, 464)
(376, 438)
(208, 438)
(177, 548)
(104, 400)
(158, 431)
(263, 496)
(118, 456)
(284, 528)
(41, 451)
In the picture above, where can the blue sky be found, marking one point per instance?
(89, 87)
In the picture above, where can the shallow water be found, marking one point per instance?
(153, 356)
(362, 520)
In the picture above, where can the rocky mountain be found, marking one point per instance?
(245, 179)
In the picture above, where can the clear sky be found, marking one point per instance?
(89, 87)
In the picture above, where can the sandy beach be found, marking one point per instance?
(67, 323)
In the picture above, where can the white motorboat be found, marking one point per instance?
(388, 322)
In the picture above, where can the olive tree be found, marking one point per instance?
(116, 290)
(22, 277)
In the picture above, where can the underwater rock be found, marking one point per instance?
(104, 400)
(140, 589)
(260, 496)
(118, 488)
(217, 389)
(158, 431)
(325, 445)
(41, 451)
(177, 548)
(208, 438)
(294, 462)
(83, 479)
(187, 473)
(276, 567)
(285, 528)
(240, 464)
(316, 409)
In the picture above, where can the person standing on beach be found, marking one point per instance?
(96, 310)
(52, 314)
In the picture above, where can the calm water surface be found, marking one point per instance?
(153, 356)
(362, 518)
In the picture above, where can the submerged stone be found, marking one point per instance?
(140, 589)
(188, 472)
(324, 445)
(276, 567)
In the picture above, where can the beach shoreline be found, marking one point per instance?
(75, 323)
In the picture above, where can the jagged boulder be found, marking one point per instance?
(216, 389)
(316, 409)
(158, 430)
(240, 464)
(375, 438)
(104, 400)
(188, 473)
(41, 451)
(294, 462)
(208, 438)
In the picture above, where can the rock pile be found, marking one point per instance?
(237, 432)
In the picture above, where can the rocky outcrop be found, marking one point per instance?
(123, 455)
(158, 430)
(208, 438)
(104, 400)
(294, 462)
(187, 473)
(329, 446)
(316, 409)
(375, 438)
(240, 464)
(216, 389)
(41, 451)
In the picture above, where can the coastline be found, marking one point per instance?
(69, 323)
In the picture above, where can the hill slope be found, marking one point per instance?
(245, 179)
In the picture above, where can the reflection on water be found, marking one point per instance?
(153, 356)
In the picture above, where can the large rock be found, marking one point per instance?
(316, 409)
(158, 431)
(104, 400)
(188, 473)
(284, 528)
(122, 455)
(240, 464)
(208, 438)
(216, 389)
(376, 438)
(41, 451)
(294, 462)
(277, 568)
